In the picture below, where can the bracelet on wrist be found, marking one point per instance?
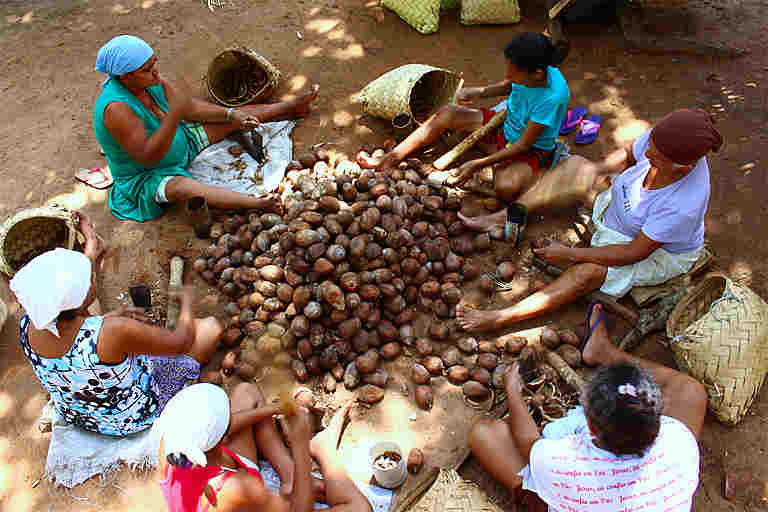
(230, 111)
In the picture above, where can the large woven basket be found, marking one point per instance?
(413, 89)
(719, 334)
(238, 76)
(423, 15)
(489, 12)
(32, 232)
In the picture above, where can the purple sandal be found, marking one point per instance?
(572, 120)
(589, 128)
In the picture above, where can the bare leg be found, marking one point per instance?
(575, 282)
(207, 334)
(181, 188)
(495, 448)
(574, 181)
(264, 436)
(685, 399)
(449, 117)
(341, 492)
(510, 179)
(299, 107)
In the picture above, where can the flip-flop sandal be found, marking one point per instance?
(572, 120)
(591, 329)
(98, 177)
(588, 131)
(517, 220)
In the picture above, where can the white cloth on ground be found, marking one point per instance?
(659, 267)
(53, 282)
(571, 474)
(194, 421)
(75, 455)
(672, 215)
(278, 146)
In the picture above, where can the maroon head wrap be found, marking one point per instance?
(686, 135)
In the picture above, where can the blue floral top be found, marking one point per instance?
(113, 399)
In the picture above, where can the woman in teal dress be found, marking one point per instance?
(151, 131)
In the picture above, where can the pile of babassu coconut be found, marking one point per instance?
(333, 286)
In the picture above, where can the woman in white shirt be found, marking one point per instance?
(649, 219)
(632, 446)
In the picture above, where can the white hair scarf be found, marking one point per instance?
(55, 281)
(194, 421)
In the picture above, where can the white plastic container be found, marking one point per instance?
(390, 478)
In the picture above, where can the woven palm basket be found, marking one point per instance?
(422, 15)
(489, 12)
(238, 76)
(32, 232)
(414, 89)
(719, 334)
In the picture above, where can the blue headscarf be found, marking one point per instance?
(121, 55)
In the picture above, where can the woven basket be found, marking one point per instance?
(489, 12)
(238, 76)
(32, 232)
(414, 89)
(719, 334)
(423, 15)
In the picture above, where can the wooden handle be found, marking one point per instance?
(559, 6)
(472, 139)
(177, 272)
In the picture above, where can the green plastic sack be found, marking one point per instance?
(423, 15)
(496, 12)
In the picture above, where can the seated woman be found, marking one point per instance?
(150, 132)
(537, 100)
(633, 445)
(108, 374)
(210, 445)
(649, 221)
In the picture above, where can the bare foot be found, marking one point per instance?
(485, 223)
(329, 439)
(474, 320)
(599, 345)
(304, 102)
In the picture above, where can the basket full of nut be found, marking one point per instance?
(32, 232)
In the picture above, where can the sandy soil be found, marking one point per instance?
(48, 86)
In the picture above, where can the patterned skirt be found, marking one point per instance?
(171, 374)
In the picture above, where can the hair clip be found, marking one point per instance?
(627, 389)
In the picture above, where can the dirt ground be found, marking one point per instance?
(48, 87)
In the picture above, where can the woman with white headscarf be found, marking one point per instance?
(107, 374)
(210, 445)
(151, 131)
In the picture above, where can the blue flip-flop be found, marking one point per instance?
(591, 328)
(572, 120)
(517, 220)
(589, 128)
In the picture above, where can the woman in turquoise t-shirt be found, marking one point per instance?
(150, 132)
(537, 99)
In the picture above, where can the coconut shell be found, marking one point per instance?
(390, 351)
(313, 310)
(569, 337)
(515, 344)
(299, 370)
(386, 331)
(481, 375)
(487, 347)
(415, 461)
(419, 374)
(367, 362)
(550, 338)
(468, 345)
(458, 374)
(487, 361)
(377, 378)
(506, 271)
(370, 394)
(476, 391)
(424, 397)
(424, 347)
(434, 365)
(570, 355)
(351, 376)
(497, 377)
(487, 285)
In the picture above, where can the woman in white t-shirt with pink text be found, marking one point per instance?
(649, 217)
(631, 447)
